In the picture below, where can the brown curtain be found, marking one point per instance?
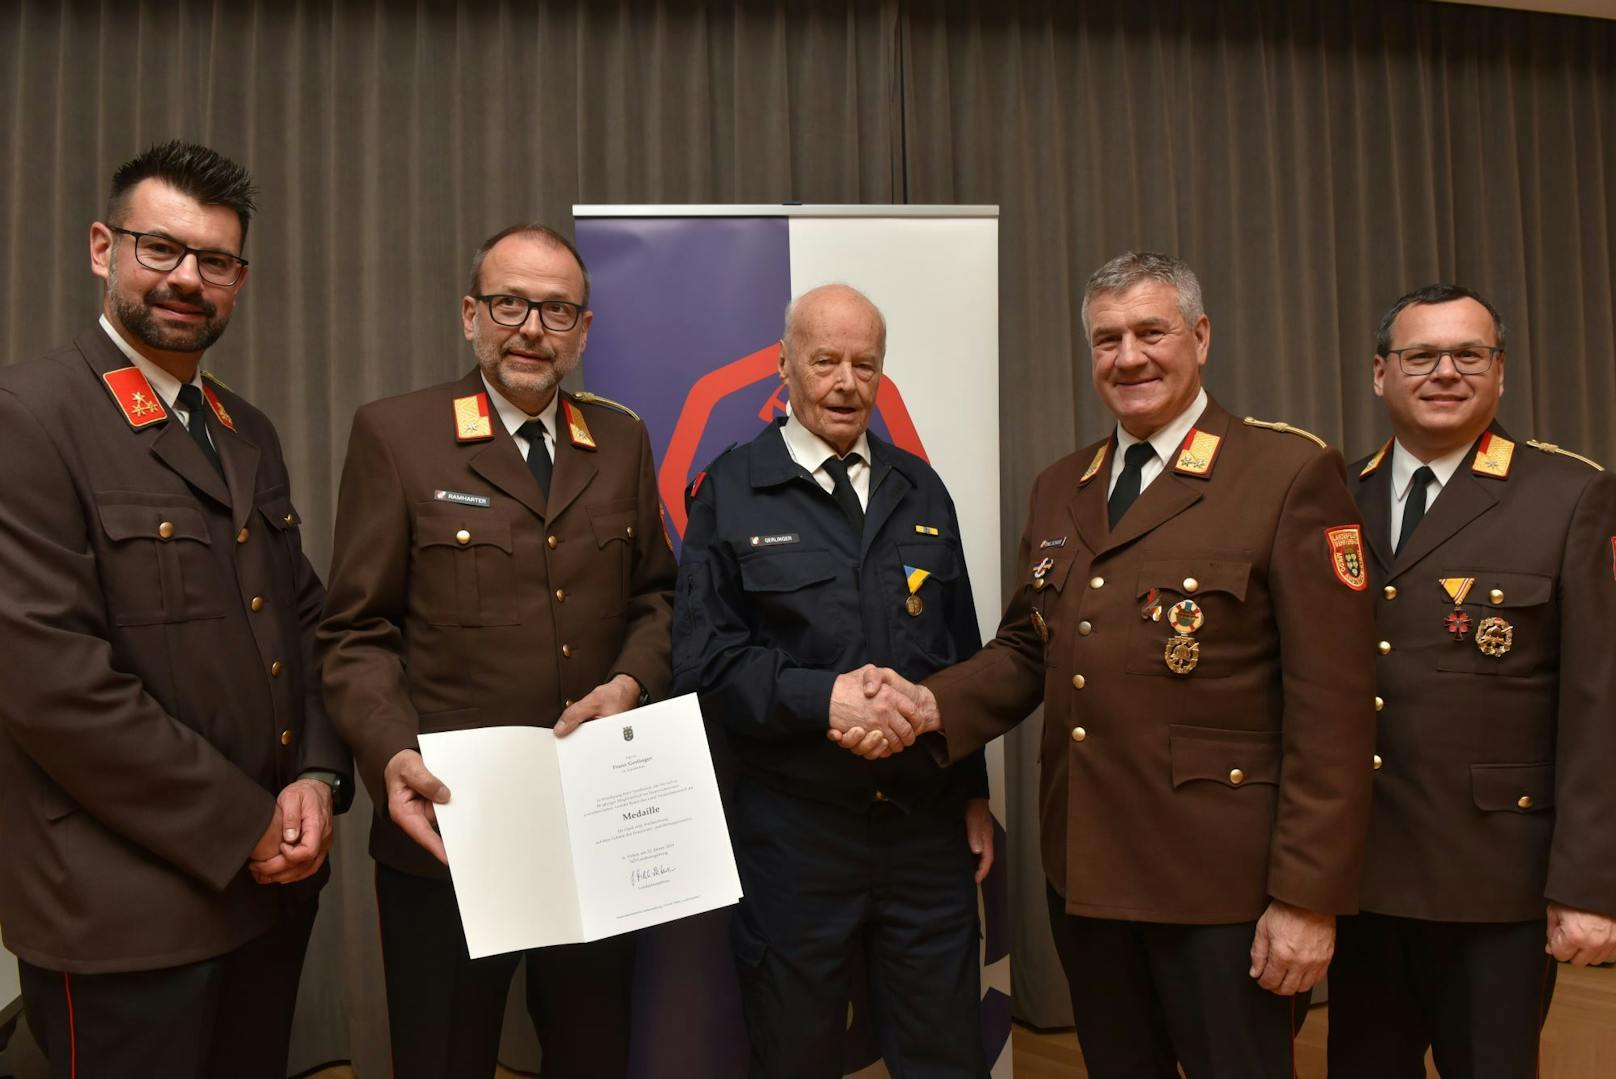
(1311, 159)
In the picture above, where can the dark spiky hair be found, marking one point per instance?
(191, 169)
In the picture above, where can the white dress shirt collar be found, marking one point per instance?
(163, 384)
(1165, 442)
(513, 417)
(810, 451)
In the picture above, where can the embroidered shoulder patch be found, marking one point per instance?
(1346, 556)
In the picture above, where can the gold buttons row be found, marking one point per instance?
(1495, 596)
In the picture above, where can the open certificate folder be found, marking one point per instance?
(613, 828)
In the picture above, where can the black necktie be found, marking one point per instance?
(1127, 488)
(842, 490)
(197, 425)
(538, 454)
(1414, 508)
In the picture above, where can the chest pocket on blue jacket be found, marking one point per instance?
(465, 576)
(792, 603)
(920, 625)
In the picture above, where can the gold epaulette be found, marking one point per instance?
(596, 399)
(1549, 447)
(215, 378)
(1287, 429)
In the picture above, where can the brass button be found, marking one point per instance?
(462, 537)
(1378, 762)
(1078, 734)
(1390, 591)
(257, 603)
(880, 797)
(1380, 702)
(1191, 585)
(1096, 582)
(166, 530)
(1384, 648)
(286, 738)
(1085, 628)
(290, 520)
(1039, 584)
(561, 595)
(1497, 597)
(241, 537)
(567, 703)
(1524, 801)
(275, 669)
(1078, 681)
(630, 531)
(566, 650)
(1236, 776)
(552, 543)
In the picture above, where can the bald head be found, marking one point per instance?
(831, 353)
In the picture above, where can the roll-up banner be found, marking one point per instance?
(689, 303)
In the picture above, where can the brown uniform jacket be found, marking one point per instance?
(1495, 791)
(1195, 797)
(459, 598)
(156, 682)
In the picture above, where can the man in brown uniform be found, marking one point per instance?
(499, 560)
(1492, 851)
(1186, 586)
(166, 769)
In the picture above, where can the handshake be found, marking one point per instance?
(875, 712)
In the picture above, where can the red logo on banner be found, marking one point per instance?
(733, 377)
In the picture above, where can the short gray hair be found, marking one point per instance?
(792, 308)
(1135, 267)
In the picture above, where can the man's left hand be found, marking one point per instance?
(305, 806)
(606, 699)
(1291, 949)
(979, 834)
(1584, 937)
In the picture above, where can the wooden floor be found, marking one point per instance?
(1579, 1041)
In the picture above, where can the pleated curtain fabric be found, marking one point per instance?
(1311, 159)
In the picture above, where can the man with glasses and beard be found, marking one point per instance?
(499, 560)
(167, 773)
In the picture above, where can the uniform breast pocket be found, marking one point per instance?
(282, 519)
(612, 525)
(918, 608)
(465, 573)
(791, 602)
(1190, 619)
(159, 565)
(1513, 628)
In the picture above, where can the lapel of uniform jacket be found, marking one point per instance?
(238, 456)
(888, 485)
(1466, 496)
(494, 455)
(574, 457)
(1373, 493)
(138, 406)
(1088, 503)
(1177, 488)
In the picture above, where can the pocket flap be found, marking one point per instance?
(1515, 788)
(278, 511)
(1210, 575)
(1233, 758)
(124, 521)
(481, 531)
(1516, 589)
(936, 558)
(613, 521)
(785, 570)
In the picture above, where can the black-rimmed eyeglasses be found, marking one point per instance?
(1423, 359)
(557, 316)
(163, 254)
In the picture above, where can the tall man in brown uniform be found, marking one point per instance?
(1186, 586)
(166, 769)
(499, 560)
(1492, 851)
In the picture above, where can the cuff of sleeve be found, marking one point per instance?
(645, 693)
(804, 697)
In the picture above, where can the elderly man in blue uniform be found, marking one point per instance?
(812, 552)
(1491, 851)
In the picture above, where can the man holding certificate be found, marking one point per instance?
(499, 561)
(812, 551)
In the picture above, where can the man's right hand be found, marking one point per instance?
(269, 844)
(870, 724)
(412, 792)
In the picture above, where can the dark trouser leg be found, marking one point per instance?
(1115, 1006)
(257, 997)
(1487, 990)
(1378, 1027)
(1223, 1024)
(581, 997)
(444, 1009)
(806, 875)
(923, 944)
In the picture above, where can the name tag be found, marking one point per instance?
(461, 498)
(775, 540)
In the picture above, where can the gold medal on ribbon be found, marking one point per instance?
(1495, 637)
(914, 578)
(1182, 654)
